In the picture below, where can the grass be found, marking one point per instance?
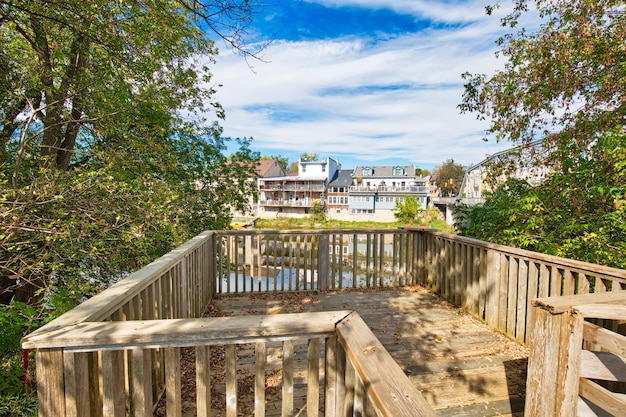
(289, 223)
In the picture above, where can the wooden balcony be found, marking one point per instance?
(358, 334)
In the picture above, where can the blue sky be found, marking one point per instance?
(362, 81)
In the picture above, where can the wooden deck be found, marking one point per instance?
(462, 368)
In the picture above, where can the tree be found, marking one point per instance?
(106, 160)
(309, 156)
(448, 177)
(407, 209)
(580, 213)
(564, 83)
(422, 172)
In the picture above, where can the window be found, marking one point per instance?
(368, 172)
(362, 211)
(303, 168)
(323, 167)
(398, 171)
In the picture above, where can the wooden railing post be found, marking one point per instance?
(50, 382)
(211, 268)
(322, 262)
(553, 363)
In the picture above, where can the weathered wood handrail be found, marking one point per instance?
(250, 261)
(558, 367)
(384, 387)
(497, 283)
(493, 282)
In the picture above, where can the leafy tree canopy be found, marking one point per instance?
(448, 177)
(580, 214)
(564, 84)
(106, 160)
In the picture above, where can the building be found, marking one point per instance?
(377, 189)
(337, 199)
(269, 168)
(295, 195)
(520, 161)
(264, 168)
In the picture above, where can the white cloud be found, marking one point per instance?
(335, 89)
(446, 11)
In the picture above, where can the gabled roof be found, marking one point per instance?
(384, 171)
(342, 179)
(264, 165)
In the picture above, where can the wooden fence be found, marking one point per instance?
(497, 283)
(571, 357)
(107, 368)
(269, 261)
(494, 283)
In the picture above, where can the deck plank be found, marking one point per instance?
(461, 367)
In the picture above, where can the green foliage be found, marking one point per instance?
(18, 406)
(578, 213)
(407, 210)
(563, 82)
(317, 211)
(448, 177)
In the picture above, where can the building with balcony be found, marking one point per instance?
(294, 195)
(377, 189)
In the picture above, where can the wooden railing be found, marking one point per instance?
(497, 283)
(494, 283)
(108, 367)
(269, 261)
(560, 369)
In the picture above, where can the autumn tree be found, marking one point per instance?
(104, 139)
(448, 177)
(110, 151)
(564, 84)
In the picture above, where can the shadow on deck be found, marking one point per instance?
(460, 366)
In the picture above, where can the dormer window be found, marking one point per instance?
(368, 172)
(398, 172)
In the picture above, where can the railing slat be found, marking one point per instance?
(522, 301)
(313, 377)
(230, 376)
(203, 381)
(602, 397)
(605, 339)
(141, 382)
(330, 374)
(76, 378)
(350, 384)
(113, 392)
(288, 369)
(173, 399)
(259, 379)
